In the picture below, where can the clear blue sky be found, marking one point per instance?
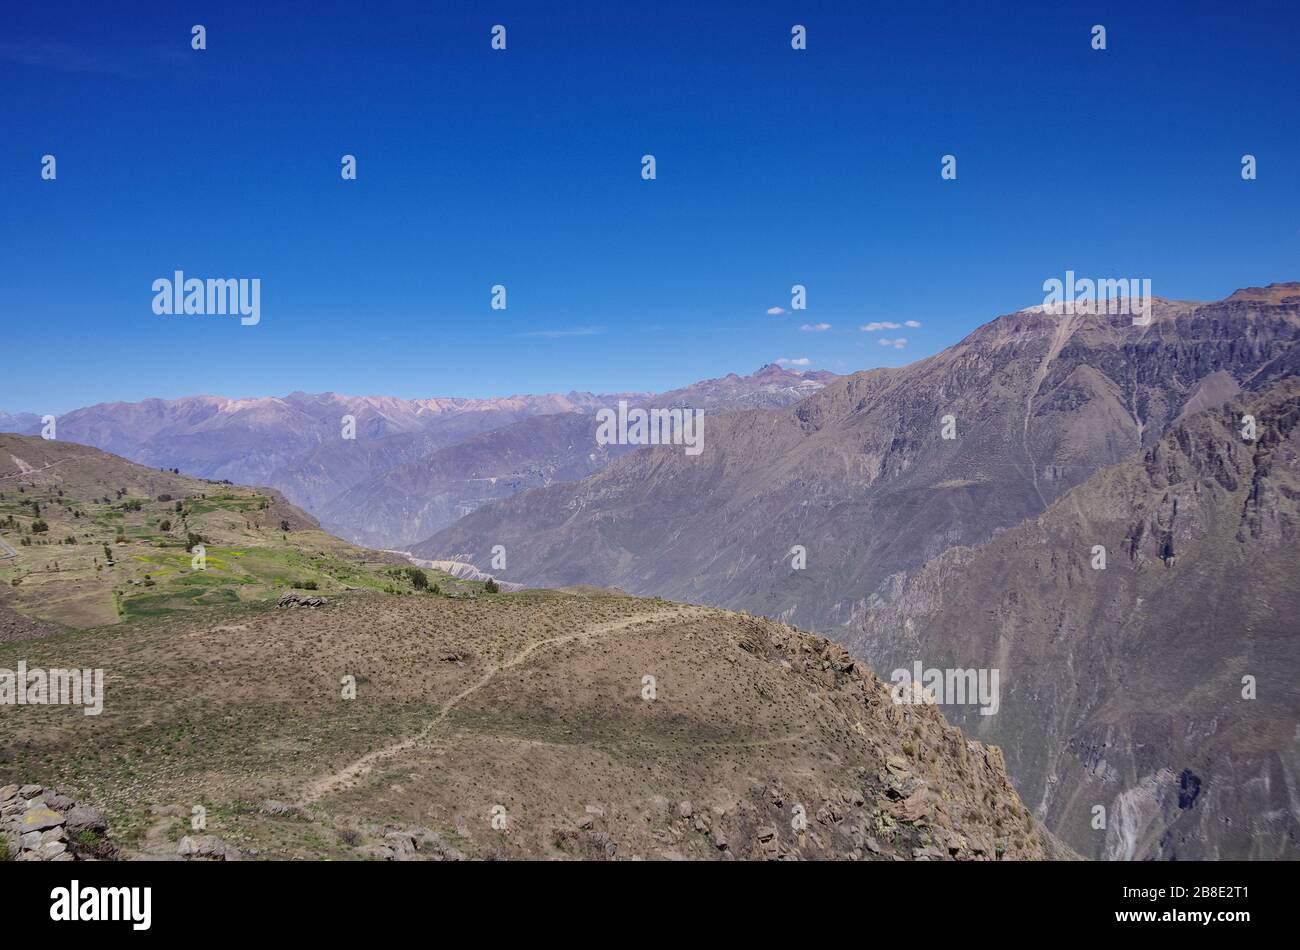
(522, 167)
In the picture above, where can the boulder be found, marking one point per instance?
(278, 809)
(58, 801)
(85, 818)
(206, 848)
(39, 818)
(291, 599)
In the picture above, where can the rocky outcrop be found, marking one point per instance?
(292, 599)
(405, 843)
(206, 848)
(40, 824)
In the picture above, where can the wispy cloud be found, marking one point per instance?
(912, 323)
(775, 311)
(786, 361)
(897, 344)
(882, 325)
(815, 327)
(576, 331)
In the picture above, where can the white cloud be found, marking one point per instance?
(882, 325)
(897, 344)
(801, 361)
(775, 311)
(577, 331)
(912, 323)
(815, 327)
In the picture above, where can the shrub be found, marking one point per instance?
(492, 587)
(419, 579)
(39, 527)
(89, 838)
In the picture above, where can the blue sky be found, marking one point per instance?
(522, 167)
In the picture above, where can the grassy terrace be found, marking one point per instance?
(93, 557)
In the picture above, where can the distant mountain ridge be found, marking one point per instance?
(414, 466)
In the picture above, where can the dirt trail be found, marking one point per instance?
(24, 470)
(156, 845)
(323, 786)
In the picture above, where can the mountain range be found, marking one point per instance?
(411, 467)
(946, 513)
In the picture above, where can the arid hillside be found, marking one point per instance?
(531, 725)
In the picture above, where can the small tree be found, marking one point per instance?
(491, 587)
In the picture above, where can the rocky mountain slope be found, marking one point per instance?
(861, 476)
(19, 422)
(1123, 685)
(412, 500)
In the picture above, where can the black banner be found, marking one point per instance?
(1223, 900)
